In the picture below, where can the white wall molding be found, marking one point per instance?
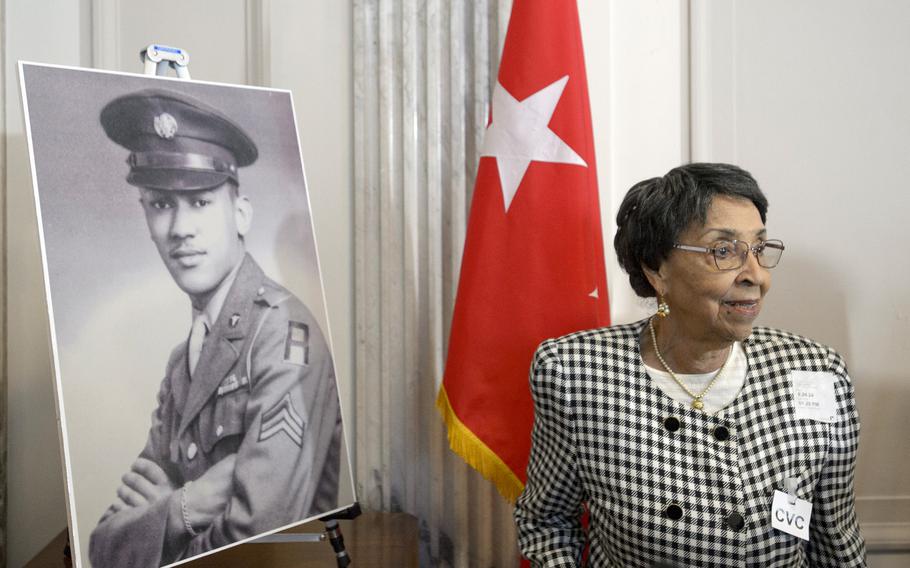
(711, 65)
(635, 53)
(685, 79)
(258, 39)
(44, 31)
(886, 537)
(885, 522)
(3, 379)
(105, 34)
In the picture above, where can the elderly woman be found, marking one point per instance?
(693, 438)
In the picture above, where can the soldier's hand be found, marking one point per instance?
(145, 483)
(115, 508)
(208, 496)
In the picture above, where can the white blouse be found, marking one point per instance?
(724, 391)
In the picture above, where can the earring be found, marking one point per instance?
(663, 309)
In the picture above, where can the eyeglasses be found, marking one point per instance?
(730, 255)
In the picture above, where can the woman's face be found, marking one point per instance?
(707, 304)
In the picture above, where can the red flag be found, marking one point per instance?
(533, 262)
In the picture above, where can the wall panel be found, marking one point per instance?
(813, 99)
(35, 31)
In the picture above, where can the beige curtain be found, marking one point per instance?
(423, 74)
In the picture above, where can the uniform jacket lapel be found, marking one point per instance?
(224, 343)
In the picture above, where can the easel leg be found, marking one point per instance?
(337, 539)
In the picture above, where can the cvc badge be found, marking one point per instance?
(813, 395)
(792, 518)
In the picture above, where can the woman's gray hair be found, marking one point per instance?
(656, 211)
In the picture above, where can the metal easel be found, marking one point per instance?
(156, 60)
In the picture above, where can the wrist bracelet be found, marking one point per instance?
(186, 516)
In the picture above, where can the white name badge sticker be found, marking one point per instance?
(792, 519)
(813, 395)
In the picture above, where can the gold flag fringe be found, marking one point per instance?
(477, 454)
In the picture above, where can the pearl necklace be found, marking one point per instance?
(696, 398)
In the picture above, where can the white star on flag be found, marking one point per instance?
(519, 134)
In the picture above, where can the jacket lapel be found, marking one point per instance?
(223, 345)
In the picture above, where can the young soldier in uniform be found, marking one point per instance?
(247, 433)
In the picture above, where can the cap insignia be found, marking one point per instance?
(165, 126)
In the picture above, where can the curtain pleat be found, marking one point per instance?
(423, 75)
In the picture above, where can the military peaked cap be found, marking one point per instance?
(176, 141)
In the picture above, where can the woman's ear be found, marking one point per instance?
(656, 278)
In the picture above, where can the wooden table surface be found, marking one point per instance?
(373, 540)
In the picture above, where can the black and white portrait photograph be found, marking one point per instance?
(196, 385)
(454, 284)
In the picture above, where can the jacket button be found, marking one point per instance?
(674, 512)
(735, 521)
(219, 430)
(191, 451)
(671, 423)
(722, 433)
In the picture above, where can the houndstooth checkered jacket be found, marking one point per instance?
(682, 492)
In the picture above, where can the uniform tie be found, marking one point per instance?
(197, 337)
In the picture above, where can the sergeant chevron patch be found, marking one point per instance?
(282, 418)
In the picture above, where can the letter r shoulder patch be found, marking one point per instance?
(282, 417)
(297, 344)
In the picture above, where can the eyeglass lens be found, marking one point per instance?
(732, 254)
